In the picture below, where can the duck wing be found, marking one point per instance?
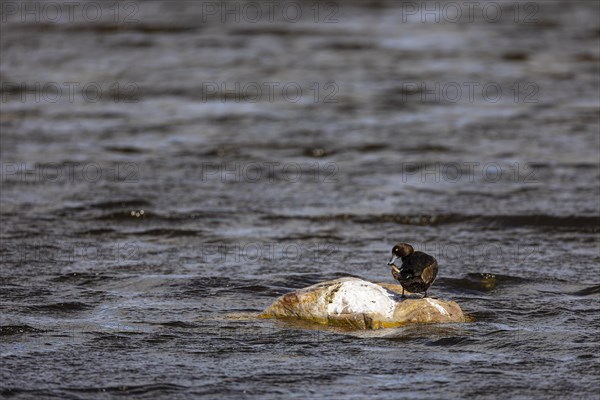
(429, 273)
(420, 264)
(427, 266)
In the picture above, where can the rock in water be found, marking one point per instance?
(360, 304)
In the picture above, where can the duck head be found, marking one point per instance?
(400, 250)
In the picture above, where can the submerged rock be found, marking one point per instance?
(360, 304)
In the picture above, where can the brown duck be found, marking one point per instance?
(418, 269)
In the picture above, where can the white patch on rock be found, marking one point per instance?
(357, 296)
(434, 303)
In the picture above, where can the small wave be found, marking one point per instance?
(158, 387)
(61, 307)
(470, 284)
(317, 236)
(420, 220)
(371, 147)
(124, 149)
(201, 286)
(256, 289)
(543, 221)
(479, 282)
(8, 330)
(503, 221)
(129, 204)
(282, 32)
(451, 341)
(177, 324)
(587, 291)
(125, 214)
(94, 232)
(168, 232)
(82, 278)
(108, 28)
(483, 315)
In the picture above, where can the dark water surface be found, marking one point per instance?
(246, 197)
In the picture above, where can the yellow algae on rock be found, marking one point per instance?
(359, 304)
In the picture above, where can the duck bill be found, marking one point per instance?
(392, 260)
